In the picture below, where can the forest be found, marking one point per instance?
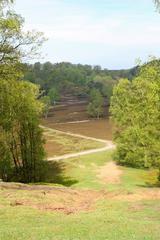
(77, 79)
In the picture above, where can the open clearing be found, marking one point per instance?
(85, 197)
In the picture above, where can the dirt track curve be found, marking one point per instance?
(108, 145)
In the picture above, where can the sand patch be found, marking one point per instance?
(110, 173)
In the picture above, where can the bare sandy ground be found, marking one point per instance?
(110, 173)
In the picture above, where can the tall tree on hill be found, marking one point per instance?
(21, 148)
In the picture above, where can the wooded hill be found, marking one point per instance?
(76, 79)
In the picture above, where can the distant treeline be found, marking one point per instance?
(76, 79)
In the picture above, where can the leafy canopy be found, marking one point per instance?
(95, 107)
(135, 109)
(21, 140)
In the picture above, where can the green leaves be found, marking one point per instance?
(15, 44)
(95, 107)
(21, 140)
(135, 109)
(54, 95)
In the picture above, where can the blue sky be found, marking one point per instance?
(110, 33)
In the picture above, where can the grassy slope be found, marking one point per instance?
(84, 170)
(109, 220)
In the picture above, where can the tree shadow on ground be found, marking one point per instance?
(54, 172)
(149, 185)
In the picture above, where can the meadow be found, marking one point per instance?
(85, 205)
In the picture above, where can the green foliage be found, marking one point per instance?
(95, 107)
(135, 110)
(76, 79)
(46, 105)
(105, 85)
(22, 141)
(21, 150)
(54, 95)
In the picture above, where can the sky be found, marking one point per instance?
(110, 33)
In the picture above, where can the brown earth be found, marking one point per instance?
(66, 200)
(102, 128)
(60, 144)
(71, 115)
(53, 147)
(46, 198)
(146, 194)
(68, 113)
(110, 173)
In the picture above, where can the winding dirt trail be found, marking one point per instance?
(108, 145)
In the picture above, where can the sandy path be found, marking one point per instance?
(108, 145)
(73, 122)
(110, 173)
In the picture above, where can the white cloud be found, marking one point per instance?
(108, 31)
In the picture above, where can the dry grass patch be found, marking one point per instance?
(110, 173)
(46, 198)
(58, 144)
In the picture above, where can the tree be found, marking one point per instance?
(53, 95)
(135, 110)
(105, 84)
(15, 44)
(3, 3)
(46, 105)
(75, 79)
(95, 107)
(157, 3)
(21, 150)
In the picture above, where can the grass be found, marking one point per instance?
(110, 220)
(84, 169)
(103, 219)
